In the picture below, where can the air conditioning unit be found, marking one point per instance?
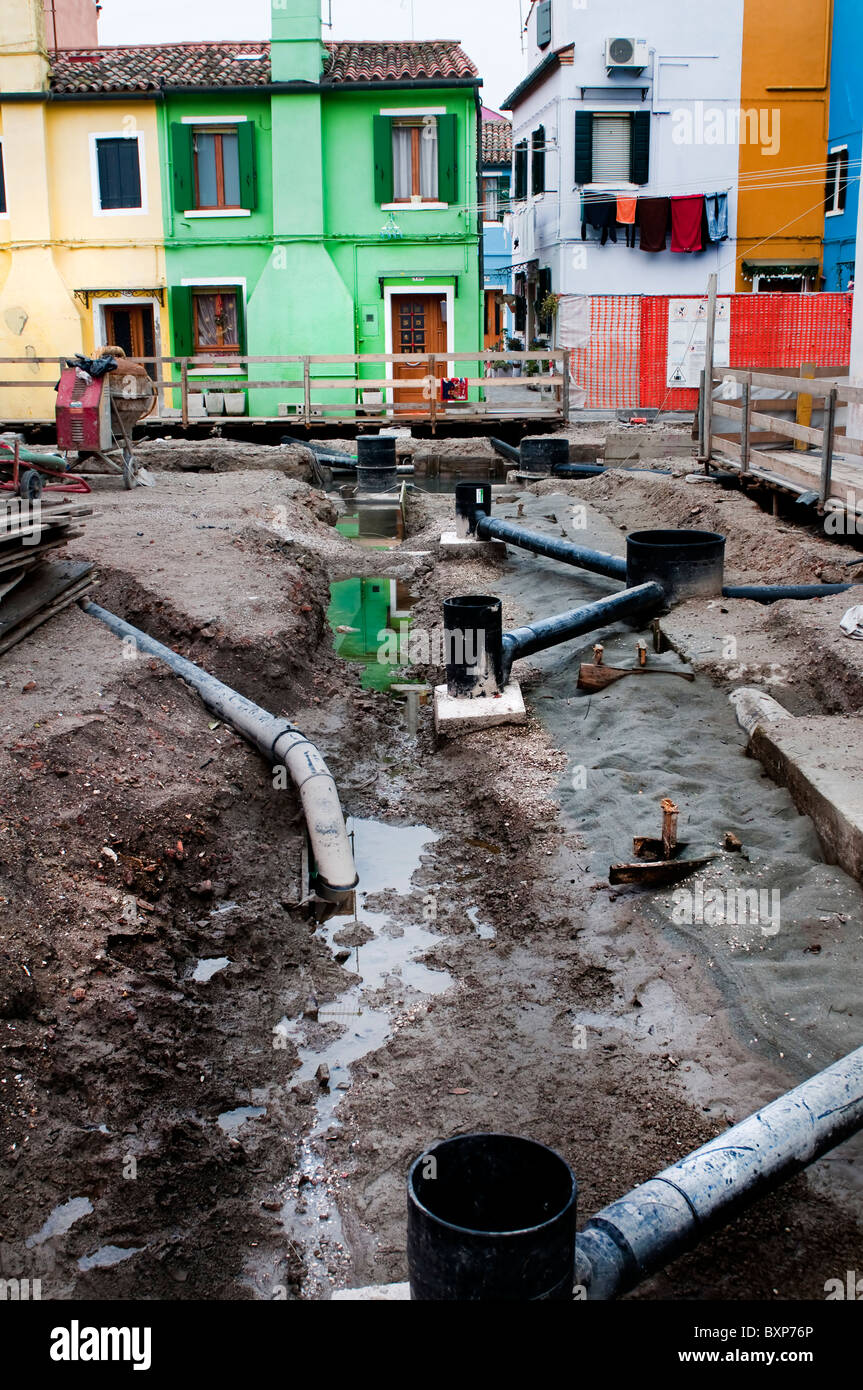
(629, 54)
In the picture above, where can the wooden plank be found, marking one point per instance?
(184, 391)
(65, 601)
(803, 415)
(40, 590)
(307, 404)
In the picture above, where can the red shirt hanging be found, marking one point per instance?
(686, 215)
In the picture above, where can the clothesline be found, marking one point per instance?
(693, 218)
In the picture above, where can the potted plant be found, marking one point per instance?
(515, 345)
(214, 402)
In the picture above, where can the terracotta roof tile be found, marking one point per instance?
(151, 66)
(496, 141)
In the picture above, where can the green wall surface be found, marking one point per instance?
(310, 251)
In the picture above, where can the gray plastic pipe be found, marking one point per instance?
(279, 742)
(637, 1235)
(549, 632)
(595, 560)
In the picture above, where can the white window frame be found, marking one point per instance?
(229, 281)
(98, 210)
(395, 111)
(5, 181)
(418, 290)
(838, 149)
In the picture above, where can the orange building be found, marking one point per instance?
(785, 79)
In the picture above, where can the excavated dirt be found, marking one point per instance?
(137, 840)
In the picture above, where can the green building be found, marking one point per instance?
(320, 198)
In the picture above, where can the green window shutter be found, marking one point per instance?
(248, 169)
(447, 153)
(521, 169)
(241, 320)
(583, 146)
(639, 149)
(383, 160)
(181, 321)
(537, 177)
(543, 24)
(183, 166)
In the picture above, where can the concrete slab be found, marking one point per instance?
(458, 715)
(374, 1293)
(820, 761)
(452, 544)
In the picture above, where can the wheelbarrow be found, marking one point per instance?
(24, 473)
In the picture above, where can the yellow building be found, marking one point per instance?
(784, 98)
(81, 234)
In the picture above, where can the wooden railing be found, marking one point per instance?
(766, 422)
(310, 396)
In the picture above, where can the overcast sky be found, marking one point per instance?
(488, 29)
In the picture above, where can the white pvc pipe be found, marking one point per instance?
(279, 742)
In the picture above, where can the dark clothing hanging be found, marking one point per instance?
(653, 215)
(600, 213)
(686, 215)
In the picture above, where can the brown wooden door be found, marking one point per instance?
(419, 328)
(131, 327)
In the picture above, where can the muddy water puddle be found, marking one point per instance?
(386, 934)
(373, 525)
(370, 621)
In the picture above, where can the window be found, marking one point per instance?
(612, 148)
(520, 156)
(216, 321)
(611, 140)
(537, 160)
(3, 207)
(118, 173)
(543, 23)
(208, 320)
(837, 180)
(544, 326)
(217, 167)
(213, 168)
(495, 198)
(415, 158)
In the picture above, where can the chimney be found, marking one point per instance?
(71, 23)
(297, 49)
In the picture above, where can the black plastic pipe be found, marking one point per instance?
(507, 450)
(550, 632)
(612, 566)
(771, 593)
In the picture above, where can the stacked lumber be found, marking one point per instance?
(33, 588)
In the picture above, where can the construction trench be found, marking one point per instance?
(214, 1085)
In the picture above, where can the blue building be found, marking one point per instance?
(844, 146)
(497, 243)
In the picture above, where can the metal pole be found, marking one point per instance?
(828, 430)
(635, 1236)
(708, 366)
(745, 424)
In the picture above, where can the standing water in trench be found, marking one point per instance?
(386, 979)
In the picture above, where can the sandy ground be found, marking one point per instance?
(137, 840)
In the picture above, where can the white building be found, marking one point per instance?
(639, 98)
